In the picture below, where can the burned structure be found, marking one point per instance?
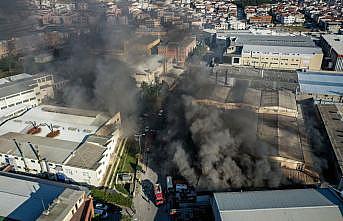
(238, 137)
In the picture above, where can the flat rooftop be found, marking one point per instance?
(270, 49)
(240, 38)
(74, 124)
(283, 205)
(86, 155)
(329, 83)
(336, 42)
(22, 198)
(76, 145)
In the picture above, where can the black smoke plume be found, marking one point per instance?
(214, 149)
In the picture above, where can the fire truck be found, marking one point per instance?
(159, 199)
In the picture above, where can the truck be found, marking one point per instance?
(159, 198)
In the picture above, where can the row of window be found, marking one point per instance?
(24, 101)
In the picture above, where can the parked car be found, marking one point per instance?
(101, 206)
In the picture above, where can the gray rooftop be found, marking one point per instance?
(54, 150)
(271, 49)
(241, 39)
(281, 205)
(22, 198)
(15, 87)
(336, 42)
(331, 115)
(87, 155)
(18, 83)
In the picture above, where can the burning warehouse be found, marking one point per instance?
(237, 137)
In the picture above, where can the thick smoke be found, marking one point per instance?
(214, 149)
(98, 72)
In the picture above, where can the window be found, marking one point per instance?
(26, 92)
(16, 158)
(25, 101)
(12, 96)
(31, 99)
(2, 108)
(18, 103)
(33, 161)
(11, 105)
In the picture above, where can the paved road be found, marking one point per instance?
(144, 199)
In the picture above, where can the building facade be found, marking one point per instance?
(23, 91)
(178, 51)
(281, 57)
(333, 49)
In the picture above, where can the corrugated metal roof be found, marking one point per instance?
(270, 49)
(240, 38)
(290, 205)
(23, 199)
(320, 83)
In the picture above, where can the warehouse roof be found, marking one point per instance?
(329, 83)
(241, 39)
(23, 198)
(18, 83)
(53, 150)
(336, 42)
(270, 49)
(74, 124)
(87, 155)
(281, 205)
(331, 115)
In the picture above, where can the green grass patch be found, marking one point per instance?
(129, 158)
(112, 198)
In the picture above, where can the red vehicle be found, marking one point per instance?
(159, 199)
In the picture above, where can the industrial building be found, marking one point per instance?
(277, 121)
(331, 116)
(23, 91)
(244, 48)
(280, 57)
(177, 50)
(322, 86)
(28, 198)
(282, 205)
(66, 144)
(333, 49)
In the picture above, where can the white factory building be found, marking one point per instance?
(65, 143)
(23, 91)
